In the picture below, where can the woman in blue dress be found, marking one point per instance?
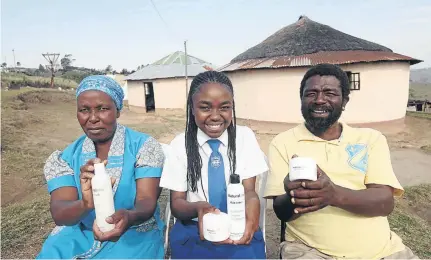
(133, 160)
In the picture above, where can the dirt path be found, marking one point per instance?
(411, 166)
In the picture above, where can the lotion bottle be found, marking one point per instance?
(236, 207)
(103, 197)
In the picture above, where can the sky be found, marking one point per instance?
(128, 33)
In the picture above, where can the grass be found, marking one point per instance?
(419, 114)
(24, 80)
(411, 219)
(25, 225)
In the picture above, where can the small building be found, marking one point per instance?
(419, 105)
(162, 84)
(267, 77)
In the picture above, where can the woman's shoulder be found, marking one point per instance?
(67, 154)
(138, 138)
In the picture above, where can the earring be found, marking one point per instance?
(343, 108)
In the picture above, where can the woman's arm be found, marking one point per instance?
(252, 204)
(147, 193)
(184, 210)
(66, 209)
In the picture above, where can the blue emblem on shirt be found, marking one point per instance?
(358, 156)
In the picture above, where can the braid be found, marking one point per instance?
(194, 160)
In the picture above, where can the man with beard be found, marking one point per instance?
(343, 214)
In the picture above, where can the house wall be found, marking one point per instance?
(273, 94)
(168, 93)
(136, 93)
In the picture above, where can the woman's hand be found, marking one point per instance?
(120, 219)
(247, 236)
(87, 173)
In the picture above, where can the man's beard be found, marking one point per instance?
(319, 125)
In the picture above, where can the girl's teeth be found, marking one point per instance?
(214, 126)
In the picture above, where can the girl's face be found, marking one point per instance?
(212, 108)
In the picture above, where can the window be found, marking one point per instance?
(354, 79)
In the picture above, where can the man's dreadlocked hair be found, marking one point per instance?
(194, 160)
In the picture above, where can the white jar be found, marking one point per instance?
(216, 226)
(302, 168)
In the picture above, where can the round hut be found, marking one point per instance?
(267, 76)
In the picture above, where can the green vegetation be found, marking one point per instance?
(22, 80)
(411, 219)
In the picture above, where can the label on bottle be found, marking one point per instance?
(236, 210)
(104, 207)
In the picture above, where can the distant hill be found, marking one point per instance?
(420, 75)
(420, 91)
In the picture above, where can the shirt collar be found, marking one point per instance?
(203, 138)
(303, 134)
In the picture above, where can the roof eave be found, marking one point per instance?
(308, 60)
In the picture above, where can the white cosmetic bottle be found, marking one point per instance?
(103, 197)
(236, 207)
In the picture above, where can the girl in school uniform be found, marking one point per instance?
(212, 148)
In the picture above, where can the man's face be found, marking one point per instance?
(322, 102)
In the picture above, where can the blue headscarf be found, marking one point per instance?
(104, 84)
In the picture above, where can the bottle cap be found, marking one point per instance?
(234, 178)
(99, 168)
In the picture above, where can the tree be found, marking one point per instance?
(4, 65)
(66, 61)
(18, 64)
(41, 68)
(108, 69)
(124, 72)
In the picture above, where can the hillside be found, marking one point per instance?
(420, 75)
(420, 91)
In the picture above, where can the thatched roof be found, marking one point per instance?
(305, 37)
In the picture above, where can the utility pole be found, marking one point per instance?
(185, 65)
(14, 61)
(52, 59)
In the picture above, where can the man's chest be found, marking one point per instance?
(346, 164)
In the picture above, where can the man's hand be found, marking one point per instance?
(310, 196)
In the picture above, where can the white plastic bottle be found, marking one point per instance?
(103, 197)
(236, 207)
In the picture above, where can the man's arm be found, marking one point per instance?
(376, 200)
(284, 208)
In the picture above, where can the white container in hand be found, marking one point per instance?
(302, 168)
(103, 197)
(215, 226)
(236, 207)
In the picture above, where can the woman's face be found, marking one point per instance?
(97, 115)
(212, 108)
